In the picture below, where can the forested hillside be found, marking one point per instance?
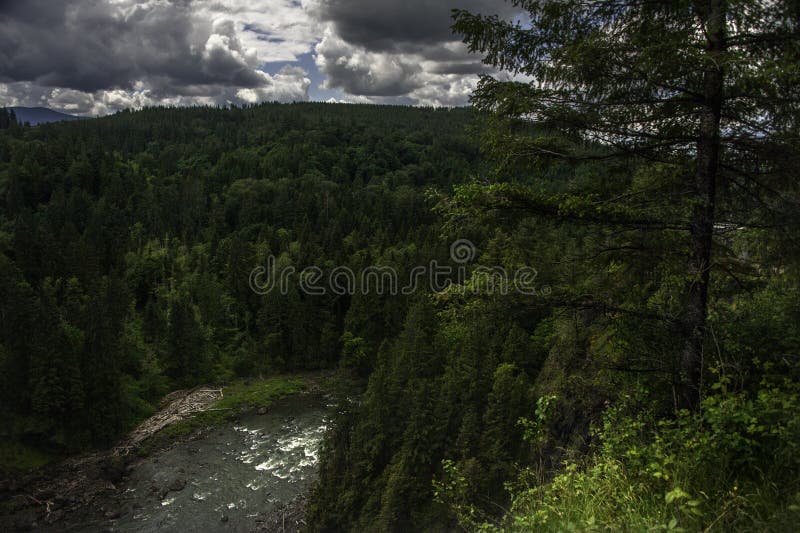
(127, 243)
(645, 183)
(646, 159)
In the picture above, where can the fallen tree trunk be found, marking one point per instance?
(179, 406)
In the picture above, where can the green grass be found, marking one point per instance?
(237, 398)
(15, 456)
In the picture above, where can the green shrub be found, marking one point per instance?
(734, 465)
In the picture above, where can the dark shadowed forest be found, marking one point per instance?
(647, 379)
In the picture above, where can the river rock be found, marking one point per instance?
(113, 469)
(54, 516)
(26, 520)
(177, 485)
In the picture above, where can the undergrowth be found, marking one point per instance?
(733, 466)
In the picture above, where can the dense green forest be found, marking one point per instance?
(645, 163)
(650, 382)
(128, 242)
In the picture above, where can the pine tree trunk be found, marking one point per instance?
(702, 216)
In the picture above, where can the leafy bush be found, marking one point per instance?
(734, 465)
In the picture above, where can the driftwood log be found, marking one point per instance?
(178, 406)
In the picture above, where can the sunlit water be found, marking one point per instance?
(233, 477)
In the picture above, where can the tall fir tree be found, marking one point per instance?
(703, 90)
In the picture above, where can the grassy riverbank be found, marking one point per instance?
(237, 398)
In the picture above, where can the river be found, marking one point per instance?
(229, 479)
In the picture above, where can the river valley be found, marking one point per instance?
(232, 478)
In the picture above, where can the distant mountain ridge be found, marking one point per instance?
(41, 115)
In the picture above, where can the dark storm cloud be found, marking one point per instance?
(400, 48)
(92, 45)
(392, 25)
(97, 56)
(459, 68)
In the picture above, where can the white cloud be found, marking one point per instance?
(399, 50)
(445, 90)
(386, 76)
(290, 84)
(276, 30)
(361, 72)
(100, 56)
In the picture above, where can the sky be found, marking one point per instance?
(95, 57)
